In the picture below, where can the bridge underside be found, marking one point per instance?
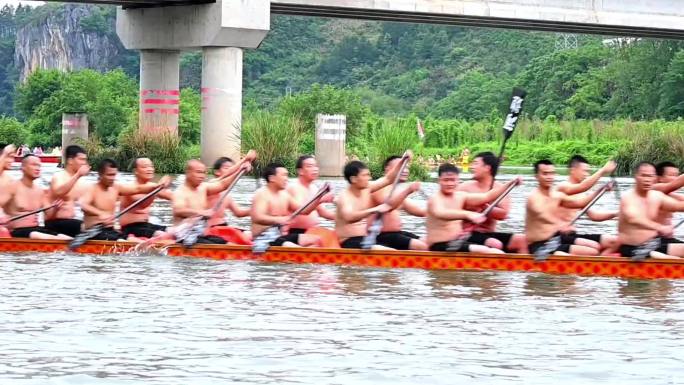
(285, 8)
(314, 8)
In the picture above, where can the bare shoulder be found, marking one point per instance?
(59, 176)
(469, 186)
(259, 193)
(655, 194)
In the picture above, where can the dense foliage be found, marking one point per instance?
(602, 97)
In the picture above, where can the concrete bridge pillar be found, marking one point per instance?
(159, 93)
(221, 103)
(222, 29)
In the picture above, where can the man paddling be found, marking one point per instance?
(68, 186)
(190, 200)
(543, 221)
(446, 212)
(100, 199)
(579, 182)
(669, 181)
(301, 190)
(484, 166)
(273, 205)
(640, 234)
(25, 196)
(355, 204)
(392, 234)
(222, 167)
(136, 222)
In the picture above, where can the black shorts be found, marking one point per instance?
(444, 246)
(479, 238)
(294, 238)
(211, 240)
(25, 232)
(564, 247)
(643, 250)
(400, 240)
(108, 234)
(668, 241)
(296, 231)
(570, 238)
(352, 243)
(141, 229)
(70, 227)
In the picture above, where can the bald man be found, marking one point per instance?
(191, 199)
(136, 222)
(24, 196)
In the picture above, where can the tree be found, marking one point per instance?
(672, 91)
(325, 100)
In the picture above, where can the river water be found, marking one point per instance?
(123, 319)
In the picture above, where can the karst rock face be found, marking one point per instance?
(72, 38)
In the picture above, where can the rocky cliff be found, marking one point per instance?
(69, 37)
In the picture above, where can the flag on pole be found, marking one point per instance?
(421, 130)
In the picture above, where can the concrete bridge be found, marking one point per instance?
(161, 29)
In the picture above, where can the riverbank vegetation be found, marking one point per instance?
(604, 98)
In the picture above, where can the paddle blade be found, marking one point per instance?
(543, 253)
(644, 251)
(514, 112)
(263, 241)
(371, 239)
(457, 243)
(196, 231)
(83, 237)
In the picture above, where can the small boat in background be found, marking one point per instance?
(43, 158)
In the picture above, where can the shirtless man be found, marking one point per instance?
(446, 211)
(355, 204)
(25, 196)
(191, 199)
(392, 235)
(222, 167)
(301, 190)
(484, 166)
(100, 199)
(68, 186)
(669, 181)
(6, 159)
(136, 222)
(273, 205)
(637, 223)
(579, 182)
(543, 221)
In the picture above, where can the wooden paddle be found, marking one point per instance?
(552, 244)
(458, 242)
(644, 250)
(515, 109)
(37, 211)
(191, 237)
(263, 241)
(92, 232)
(371, 238)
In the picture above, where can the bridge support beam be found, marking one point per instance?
(222, 29)
(159, 93)
(221, 103)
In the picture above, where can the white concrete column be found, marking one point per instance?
(159, 90)
(221, 103)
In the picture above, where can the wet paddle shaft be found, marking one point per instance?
(263, 241)
(34, 212)
(371, 239)
(83, 237)
(197, 230)
(552, 244)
